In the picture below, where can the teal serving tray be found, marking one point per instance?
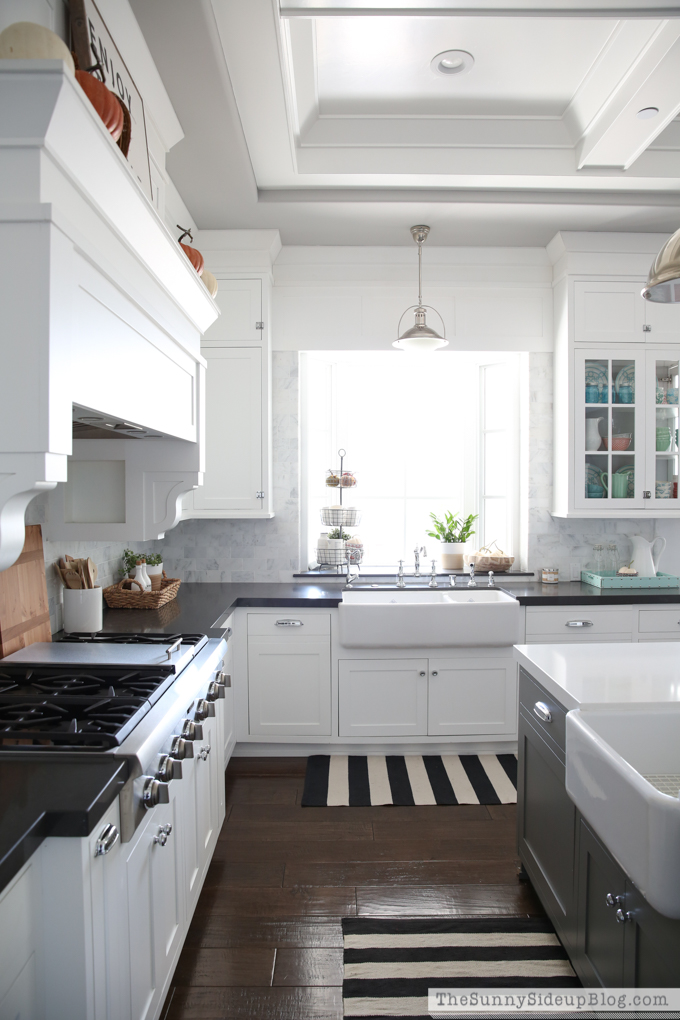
(608, 579)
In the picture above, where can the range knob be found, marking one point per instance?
(222, 678)
(168, 769)
(215, 691)
(204, 709)
(155, 792)
(192, 730)
(181, 748)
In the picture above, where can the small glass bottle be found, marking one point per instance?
(613, 563)
(598, 553)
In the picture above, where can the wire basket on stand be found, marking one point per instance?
(340, 516)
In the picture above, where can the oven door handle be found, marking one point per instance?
(173, 648)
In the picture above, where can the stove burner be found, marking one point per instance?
(133, 639)
(68, 723)
(69, 684)
(7, 683)
(32, 716)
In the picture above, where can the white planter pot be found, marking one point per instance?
(452, 555)
(155, 575)
(336, 543)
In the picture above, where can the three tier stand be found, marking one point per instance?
(341, 517)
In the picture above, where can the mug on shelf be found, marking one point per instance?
(592, 394)
(664, 490)
(625, 394)
(663, 439)
(594, 491)
(619, 486)
(604, 395)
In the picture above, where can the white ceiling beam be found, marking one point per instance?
(484, 8)
(449, 132)
(617, 136)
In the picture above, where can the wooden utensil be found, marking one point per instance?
(24, 613)
(73, 580)
(91, 573)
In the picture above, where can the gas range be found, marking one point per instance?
(142, 697)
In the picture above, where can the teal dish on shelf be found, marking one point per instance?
(608, 579)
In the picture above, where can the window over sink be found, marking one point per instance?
(422, 434)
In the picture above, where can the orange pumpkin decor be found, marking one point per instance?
(104, 101)
(193, 254)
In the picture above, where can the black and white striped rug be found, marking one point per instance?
(365, 780)
(390, 963)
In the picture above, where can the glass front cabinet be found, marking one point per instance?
(625, 433)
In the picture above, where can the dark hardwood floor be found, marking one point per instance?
(265, 942)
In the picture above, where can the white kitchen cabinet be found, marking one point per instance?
(20, 943)
(616, 396)
(289, 673)
(238, 470)
(153, 867)
(383, 697)
(201, 811)
(609, 312)
(472, 696)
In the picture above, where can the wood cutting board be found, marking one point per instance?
(24, 612)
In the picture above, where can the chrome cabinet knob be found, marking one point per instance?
(168, 769)
(614, 901)
(204, 752)
(192, 730)
(181, 748)
(215, 691)
(422, 673)
(435, 673)
(155, 792)
(542, 711)
(161, 837)
(623, 916)
(108, 837)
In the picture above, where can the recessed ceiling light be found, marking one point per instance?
(648, 112)
(452, 62)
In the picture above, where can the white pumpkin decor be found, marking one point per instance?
(210, 282)
(25, 40)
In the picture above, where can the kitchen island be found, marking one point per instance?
(613, 934)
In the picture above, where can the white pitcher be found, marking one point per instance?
(593, 437)
(644, 560)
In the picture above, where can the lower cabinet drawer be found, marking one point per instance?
(659, 621)
(289, 623)
(578, 622)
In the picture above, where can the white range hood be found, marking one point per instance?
(100, 308)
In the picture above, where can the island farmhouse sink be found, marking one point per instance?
(394, 618)
(619, 762)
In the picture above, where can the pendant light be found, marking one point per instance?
(663, 283)
(420, 337)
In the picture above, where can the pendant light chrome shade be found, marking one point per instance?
(420, 336)
(663, 283)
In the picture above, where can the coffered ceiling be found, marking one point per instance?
(337, 125)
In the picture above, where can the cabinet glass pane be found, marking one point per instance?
(609, 428)
(666, 438)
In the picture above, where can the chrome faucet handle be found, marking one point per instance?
(400, 576)
(416, 556)
(452, 580)
(472, 583)
(433, 576)
(492, 583)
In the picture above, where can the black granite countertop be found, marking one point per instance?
(200, 607)
(41, 798)
(576, 593)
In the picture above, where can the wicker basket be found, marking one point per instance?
(487, 559)
(118, 597)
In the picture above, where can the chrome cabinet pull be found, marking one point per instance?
(542, 711)
(227, 633)
(173, 648)
(579, 623)
(108, 838)
(289, 623)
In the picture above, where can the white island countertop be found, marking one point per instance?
(592, 675)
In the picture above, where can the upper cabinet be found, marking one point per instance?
(237, 481)
(615, 312)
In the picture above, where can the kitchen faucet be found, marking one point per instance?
(472, 583)
(401, 583)
(416, 552)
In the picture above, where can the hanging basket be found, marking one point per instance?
(119, 597)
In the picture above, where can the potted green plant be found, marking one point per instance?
(337, 538)
(129, 563)
(452, 534)
(154, 568)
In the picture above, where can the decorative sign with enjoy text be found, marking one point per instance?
(111, 69)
